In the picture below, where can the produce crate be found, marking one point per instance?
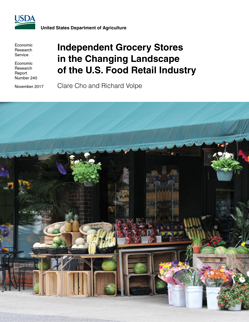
(154, 278)
(162, 257)
(70, 237)
(48, 240)
(37, 279)
(79, 283)
(238, 262)
(101, 278)
(131, 259)
(53, 283)
(135, 280)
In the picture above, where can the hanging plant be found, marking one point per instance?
(225, 165)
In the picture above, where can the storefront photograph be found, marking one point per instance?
(126, 199)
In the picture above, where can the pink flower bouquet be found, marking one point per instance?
(167, 271)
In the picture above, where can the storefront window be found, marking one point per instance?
(6, 199)
(118, 193)
(162, 194)
(31, 223)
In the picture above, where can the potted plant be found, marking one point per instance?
(232, 297)
(214, 279)
(85, 171)
(196, 245)
(225, 165)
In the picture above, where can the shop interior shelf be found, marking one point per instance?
(101, 278)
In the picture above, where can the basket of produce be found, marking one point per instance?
(59, 246)
(93, 227)
(39, 248)
(55, 229)
(78, 250)
(80, 247)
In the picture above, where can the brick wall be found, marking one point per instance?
(82, 199)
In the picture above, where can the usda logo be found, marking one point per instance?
(24, 22)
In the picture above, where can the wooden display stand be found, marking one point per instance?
(101, 278)
(79, 283)
(53, 283)
(238, 262)
(140, 280)
(37, 279)
(131, 259)
(162, 257)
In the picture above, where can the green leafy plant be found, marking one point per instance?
(197, 241)
(48, 189)
(86, 170)
(226, 162)
(189, 255)
(241, 229)
(233, 295)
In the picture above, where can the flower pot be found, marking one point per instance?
(178, 295)
(224, 176)
(194, 297)
(196, 249)
(212, 301)
(237, 307)
(88, 184)
(170, 289)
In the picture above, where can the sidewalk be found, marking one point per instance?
(36, 308)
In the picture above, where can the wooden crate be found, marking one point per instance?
(37, 279)
(101, 278)
(238, 262)
(131, 259)
(70, 237)
(154, 278)
(141, 280)
(48, 240)
(162, 257)
(79, 283)
(53, 283)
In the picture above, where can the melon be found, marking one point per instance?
(207, 250)
(63, 243)
(109, 265)
(86, 228)
(110, 289)
(36, 245)
(242, 250)
(231, 251)
(50, 230)
(80, 241)
(62, 229)
(57, 226)
(36, 288)
(140, 268)
(46, 265)
(56, 231)
(91, 231)
(43, 245)
(160, 284)
(57, 240)
(220, 250)
(74, 246)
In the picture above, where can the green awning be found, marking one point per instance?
(37, 128)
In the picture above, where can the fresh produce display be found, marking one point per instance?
(130, 240)
(207, 250)
(75, 224)
(140, 268)
(231, 251)
(101, 233)
(107, 243)
(143, 232)
(242, 250)
(68, 225)
(160, 284)
(86, 228)
(109, 265)
(46, 265)
(220, 250)
(56, 231)
(110, 289)
(80, 241)
(36, 288)
(39, 245)
(92, 248)
(121, 234)
(137, 240)
(152, 239)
